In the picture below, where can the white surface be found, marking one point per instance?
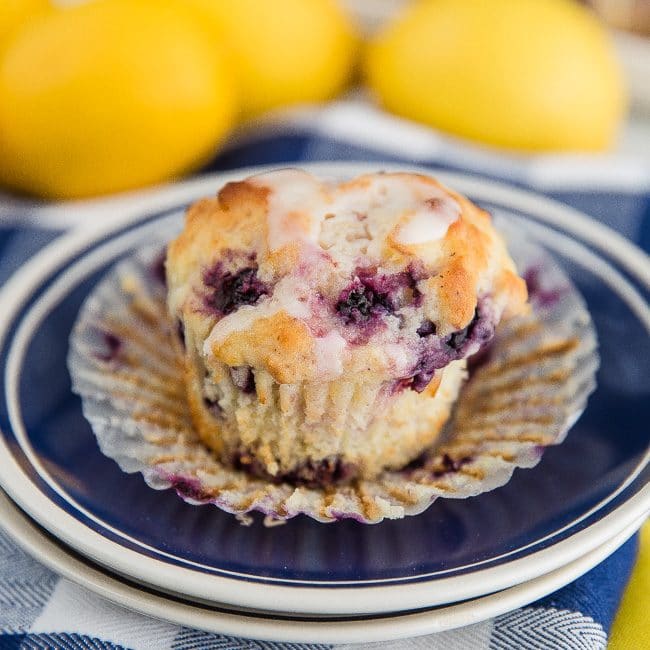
(472, 615)
(368, 599)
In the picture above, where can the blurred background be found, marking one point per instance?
(99, 97)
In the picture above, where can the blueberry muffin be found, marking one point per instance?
(326, 327)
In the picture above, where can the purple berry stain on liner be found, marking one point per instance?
(231, 290)
(188, 487)
(538, 294)
(157, 268)
(112, 346)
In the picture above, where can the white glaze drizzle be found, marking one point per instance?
(399, 358)
(295, 206)
(298, 204)
(329, 351)
(429, 222)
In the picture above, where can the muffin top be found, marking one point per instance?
(389, 274)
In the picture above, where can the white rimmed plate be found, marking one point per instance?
(582, 493)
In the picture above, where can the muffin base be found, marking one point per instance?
(316, 433)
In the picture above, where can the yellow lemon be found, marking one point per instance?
(108, 96)
(284, 51)
(14, 13)
(523, 74)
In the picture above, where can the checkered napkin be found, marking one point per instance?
(40, 610)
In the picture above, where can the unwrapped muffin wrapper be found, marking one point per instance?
(522, 396)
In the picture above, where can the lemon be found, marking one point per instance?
(284, 51)
(108, 96)
(14, 13)
(524, 74)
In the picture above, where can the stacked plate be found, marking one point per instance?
(459, 562)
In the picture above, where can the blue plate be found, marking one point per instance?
(582, 493)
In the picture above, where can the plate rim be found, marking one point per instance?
(374, 597)
(55, 555)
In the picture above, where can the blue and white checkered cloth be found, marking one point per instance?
(39, 610)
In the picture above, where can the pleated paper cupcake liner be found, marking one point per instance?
(524, 393)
